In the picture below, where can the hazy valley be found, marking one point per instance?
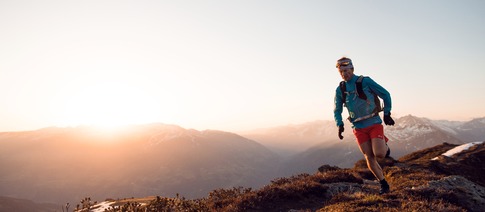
(59, 165)
(64, 165)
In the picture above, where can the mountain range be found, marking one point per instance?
(60, 165)
(314, 143)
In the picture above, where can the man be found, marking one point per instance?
(363, 107)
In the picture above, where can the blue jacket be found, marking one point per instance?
(358, 107)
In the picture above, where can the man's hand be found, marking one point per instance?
(340, 131)
(388, 120)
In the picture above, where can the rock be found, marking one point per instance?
(333, 189)
(459, 190)
(326, 168)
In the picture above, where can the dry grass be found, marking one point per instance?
(331, 189)
(310, 193)
(406, 177)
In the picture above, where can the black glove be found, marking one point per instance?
(340, 131)
(388, 120)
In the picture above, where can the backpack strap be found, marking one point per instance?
(343, 89)
(360, 90)
(361, 94)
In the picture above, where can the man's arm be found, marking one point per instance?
(338, 107)
(386, 96)
(382, 93)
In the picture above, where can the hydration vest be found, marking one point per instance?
(360, 92)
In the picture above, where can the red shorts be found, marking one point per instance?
(368, 133)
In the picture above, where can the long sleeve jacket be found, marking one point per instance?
(358, 107)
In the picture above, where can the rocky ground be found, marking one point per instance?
(422, 181)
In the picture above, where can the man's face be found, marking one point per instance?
(346, 73)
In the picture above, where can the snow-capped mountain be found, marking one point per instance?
(473, 130)
(322, 145)
(412, 133)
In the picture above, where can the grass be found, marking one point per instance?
(329, 189)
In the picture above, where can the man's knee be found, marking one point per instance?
(379, 148)
(380, 155)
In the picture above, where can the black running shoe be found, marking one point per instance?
(384, 187)
(388, 151)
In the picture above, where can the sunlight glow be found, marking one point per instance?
(109, 105)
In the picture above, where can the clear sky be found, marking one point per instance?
(232, 64)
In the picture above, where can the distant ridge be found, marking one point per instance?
(321, 144)
(22, 205)
(65, 164)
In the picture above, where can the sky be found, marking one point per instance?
(232, 65)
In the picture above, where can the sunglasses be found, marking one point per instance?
(343, 63)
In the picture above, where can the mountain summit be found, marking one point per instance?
(411, 133)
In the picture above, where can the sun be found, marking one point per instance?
(110, 105)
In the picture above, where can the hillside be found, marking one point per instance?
(8, 204)
(425, 180)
